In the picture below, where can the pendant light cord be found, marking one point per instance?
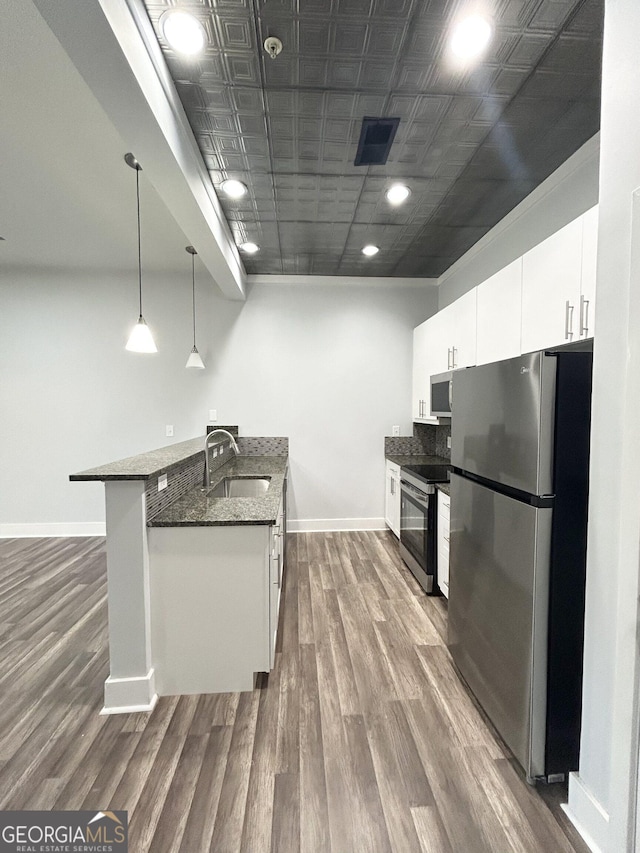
(139, 248)
(193, 289)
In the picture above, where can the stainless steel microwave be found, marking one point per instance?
(441, 395)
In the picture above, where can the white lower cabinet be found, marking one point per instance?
(215, 601)
(392, 497)
(443, 528)
(276, 572)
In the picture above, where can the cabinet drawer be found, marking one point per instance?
(393, 468)
(444, 525)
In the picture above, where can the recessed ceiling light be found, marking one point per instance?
(234, 189)
(183, 32)
(397, 194)
(470, 37)
(250, 248)
(370, 250)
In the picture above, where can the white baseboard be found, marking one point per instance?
(328, 525)
(53, 528)
(130, 695)
(587, 815)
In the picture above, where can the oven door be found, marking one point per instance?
(417, 541)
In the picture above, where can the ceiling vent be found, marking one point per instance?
(376, 138)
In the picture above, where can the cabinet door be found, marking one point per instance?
(443, 542)
(551, 275)
(420, 404)
(499, 313)
(395, 503)
(461, 330)
(276, 572)
(440, 340)
(388, 497)
(587, 314)
(392, 497)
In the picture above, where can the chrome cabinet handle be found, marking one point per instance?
(568, 321)
(584, 316)
(449, 359)
(453, 358)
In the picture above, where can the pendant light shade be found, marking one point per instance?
(140, 339)
(194, 360)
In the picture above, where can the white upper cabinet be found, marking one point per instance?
(551, 274)
(586, 313)
(420, 404)
(444, 342)
(499, 315)
(438, 342)
(461, 330)
(544, 299)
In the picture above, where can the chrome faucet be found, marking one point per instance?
(207, 447)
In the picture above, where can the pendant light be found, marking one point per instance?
(194, 359)
(140, 339)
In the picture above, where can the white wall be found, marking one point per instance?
(566, 194)
(600, 796)
(71, 397)
(328, 366)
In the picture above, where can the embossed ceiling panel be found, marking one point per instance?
(470, 145)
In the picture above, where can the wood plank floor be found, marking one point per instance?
(362, 739)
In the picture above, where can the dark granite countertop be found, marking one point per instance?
(195, 509)
(444, 487)
(144, 466)
(418, 460)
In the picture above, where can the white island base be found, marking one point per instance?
(214, 598)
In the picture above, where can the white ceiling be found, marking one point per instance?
(67, 199)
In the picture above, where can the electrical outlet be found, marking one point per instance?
(449, 442)
(163, 482)
(395, 430)
(169, 430)
(213, 415)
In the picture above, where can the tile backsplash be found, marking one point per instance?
(180, 482)
(269, 446)
(191, 472)
(427, 439)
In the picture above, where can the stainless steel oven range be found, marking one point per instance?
(418, 520)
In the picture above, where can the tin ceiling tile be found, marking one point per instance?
(355, 7)
(386, 38)
(376, 74)
(349, 38)
(312, 72)
(344, 73)
(470, 144)
(314, 37)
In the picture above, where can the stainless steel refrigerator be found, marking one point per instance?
(519, 491)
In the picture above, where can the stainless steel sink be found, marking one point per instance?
(239, 487)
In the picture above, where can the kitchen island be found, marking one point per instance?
(193, 580)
